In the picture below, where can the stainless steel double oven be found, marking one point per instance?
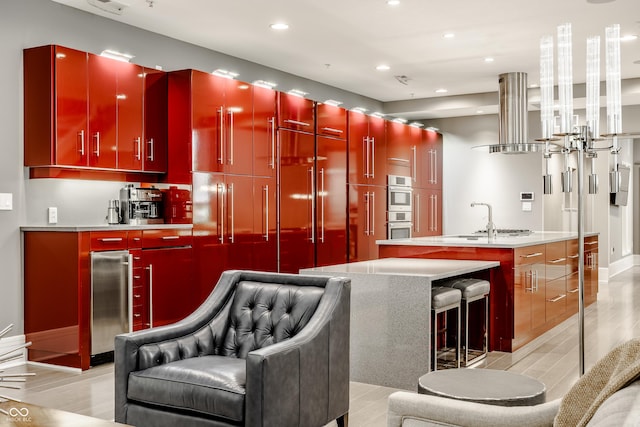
(399, 207)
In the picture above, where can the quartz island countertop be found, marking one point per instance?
(105, 227)
(470, 240)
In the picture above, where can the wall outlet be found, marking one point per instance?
(6, 201)
(53, 215)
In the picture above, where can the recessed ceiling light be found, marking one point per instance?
(359, 110)
(332, 102)
(225, 73)
(393, 2)
(629, 38)
(298, 92)
(118, 56)
(279, 26)
(442, 90)
(383, 67)
(399, 120)
(448, 35)
(265, 84)
(488, 59)
(479, 111)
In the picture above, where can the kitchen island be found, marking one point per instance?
(390, 314)
(534, 289)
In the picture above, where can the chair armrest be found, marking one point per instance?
(438, 411)
(313, 365)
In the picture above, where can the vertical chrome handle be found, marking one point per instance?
(322, 195)
(272, 120)
(366, 154)
(372, 141)
(232, 225)
(97, 152)
(266, 212)
(221, 195)
(414, 155)
(230, 137)
(373, 213)
(417, 219)
(152, 150)
(130, 290)
(150, 268)
(138, 146)
(367, 221)
(221, 134)
(435, 166)
(313, 204)
(81, 134)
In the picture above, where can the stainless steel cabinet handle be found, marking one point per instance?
(333, 130)
(110, 239)
(398, 159)
(97, 137)
(272, 120)
(230, 137)
(138, 146)
(414, 157)
(170, 237)
(266, 212)
(417, 222)
(435, 212)
(535, 254)
(81, 134)
(152, 150)
(373, 213)
(591, 243)
(296, 122)
(558, 298)
(574, 256)
(313, 203)
(528, 276)
(322, 195)
(555, 261)
(573, 291)
(150, 268)
(366, 154)
(221, 134)
(366, 211)
(137, 315)
(221, 192)
(372, 141)
(232, 225)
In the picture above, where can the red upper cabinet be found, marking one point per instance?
(129, 108)
(264, 131)
(237, 130)
(55, 107)
(429, 160)
(401, 150)
(331, 121)
(295, 113)
(102, 112)
(154, 147)
(367, 149)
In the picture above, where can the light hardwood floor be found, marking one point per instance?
(552, 358)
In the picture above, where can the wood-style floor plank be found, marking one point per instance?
(552, 358)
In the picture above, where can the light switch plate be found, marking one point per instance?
(53, 215)
(526, 206)
(6, 201)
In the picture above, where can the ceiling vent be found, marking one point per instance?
(111, 6)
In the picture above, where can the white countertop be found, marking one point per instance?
(433, 269)
(106, 227)
(535, 238)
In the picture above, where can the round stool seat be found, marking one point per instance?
(469, 287)
(443, 297)
(488, 386)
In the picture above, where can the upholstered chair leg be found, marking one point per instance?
(343, 421)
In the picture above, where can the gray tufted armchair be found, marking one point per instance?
(264, 349)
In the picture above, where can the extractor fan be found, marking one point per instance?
(111, 6)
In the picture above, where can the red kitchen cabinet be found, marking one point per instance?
(55, 107)
(297, 201)
(367, 219)
(401, 150)
(129, 97)
(367, 149)
(429, 160)
(264, 131)
(296, 113)
(331, 201)
(331, 121)
(102, 112)
(237, 127)
(265, 245)
(427, 212)
(528, 289)
(154, 147)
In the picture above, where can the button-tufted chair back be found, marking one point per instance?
(264, 314)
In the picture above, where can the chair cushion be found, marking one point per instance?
(443, 297)
(620, 409)
(213, 385)
(263, 314)
(470, 287)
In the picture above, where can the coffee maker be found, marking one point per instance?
(140, 205)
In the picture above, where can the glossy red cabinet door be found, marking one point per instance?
(331, 121)
(400, 150)
(264, 131)
(331, 201)
(237, 133)
(172, 291)
(265, 249)
(207, 121)
(129, 108)
(102, 112)
(297, 203)
(367, 221)
(154, 148)
(295, 113)
(55, 107)
(429, 160)
(367, 149)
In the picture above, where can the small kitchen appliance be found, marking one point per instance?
(141, 205)
(399, 207)
(113, 212)
(178, 206)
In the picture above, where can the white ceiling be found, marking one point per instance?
(340, 42)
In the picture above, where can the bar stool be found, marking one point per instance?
(472, 290)
(444, 299)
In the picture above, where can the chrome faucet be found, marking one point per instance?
(491, 229)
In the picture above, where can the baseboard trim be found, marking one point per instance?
(6, 344)
(56, 367)
(621, 265)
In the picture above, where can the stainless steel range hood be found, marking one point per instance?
(512, 114)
